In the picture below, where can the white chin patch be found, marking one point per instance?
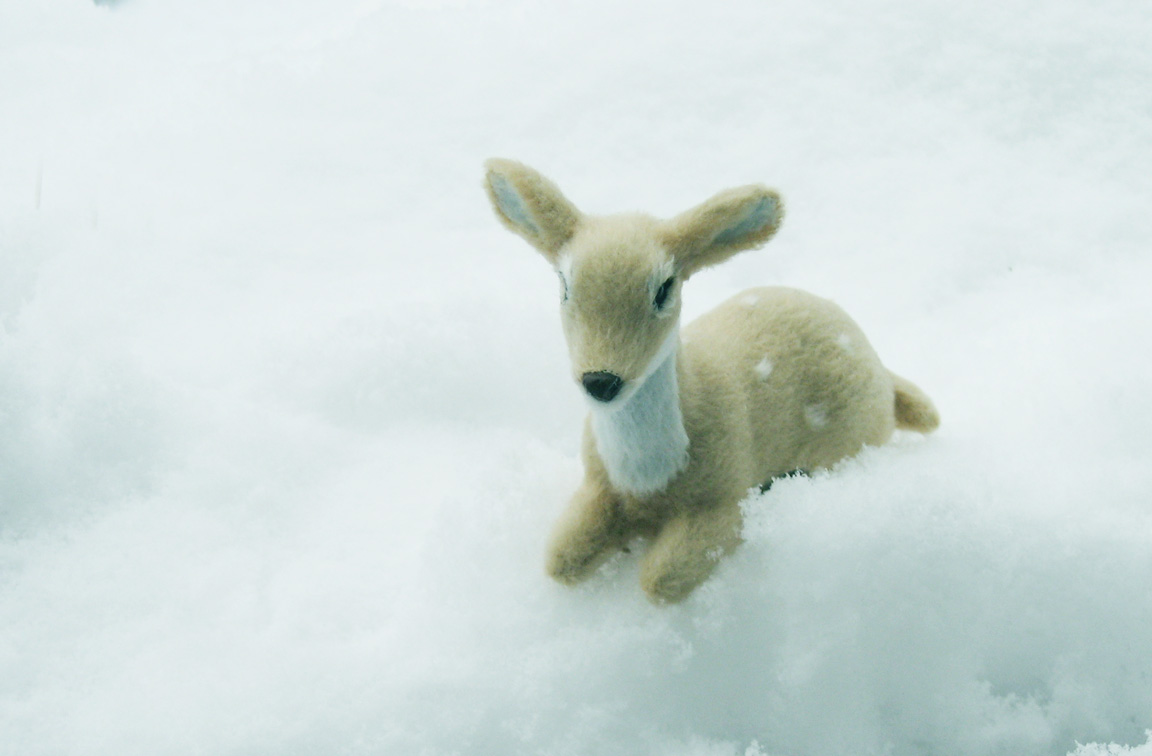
(640, 436)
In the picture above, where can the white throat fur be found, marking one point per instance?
(642, 442)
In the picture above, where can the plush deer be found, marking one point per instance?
(682, 425)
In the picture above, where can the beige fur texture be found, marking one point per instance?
(682, 425)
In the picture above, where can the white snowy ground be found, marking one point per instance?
(285, 415)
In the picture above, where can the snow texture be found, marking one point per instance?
(285, 414)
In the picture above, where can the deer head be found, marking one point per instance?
(620, 275)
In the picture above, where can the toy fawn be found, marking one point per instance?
(683, 424)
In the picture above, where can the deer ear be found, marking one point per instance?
(531, 205)
(732, 221)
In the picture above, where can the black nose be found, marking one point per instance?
(601, 385)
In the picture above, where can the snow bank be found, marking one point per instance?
(285, 415)
(1095, 749)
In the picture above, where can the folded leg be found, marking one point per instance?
(589, 532)
(686, 551)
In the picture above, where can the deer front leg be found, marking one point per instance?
(587, 534)
(686, 551)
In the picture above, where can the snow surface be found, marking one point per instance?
(285, 414)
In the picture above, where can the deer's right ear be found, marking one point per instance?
(531, 205)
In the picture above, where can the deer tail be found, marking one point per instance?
(914, 410)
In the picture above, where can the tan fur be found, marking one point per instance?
(771, 381)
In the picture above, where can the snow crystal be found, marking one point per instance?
(1115, 749)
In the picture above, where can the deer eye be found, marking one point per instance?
(662, 293)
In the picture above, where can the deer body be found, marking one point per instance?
(682, 424)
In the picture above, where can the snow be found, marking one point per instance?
(285, 413)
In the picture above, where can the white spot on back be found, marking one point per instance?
(845, 342)
(816, 415)
(750, 300)
(764, 368)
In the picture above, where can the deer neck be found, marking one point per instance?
(642, 442)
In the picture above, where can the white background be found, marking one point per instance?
(285, 416)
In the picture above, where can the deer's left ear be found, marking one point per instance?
(730, 222)
(531, 205)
